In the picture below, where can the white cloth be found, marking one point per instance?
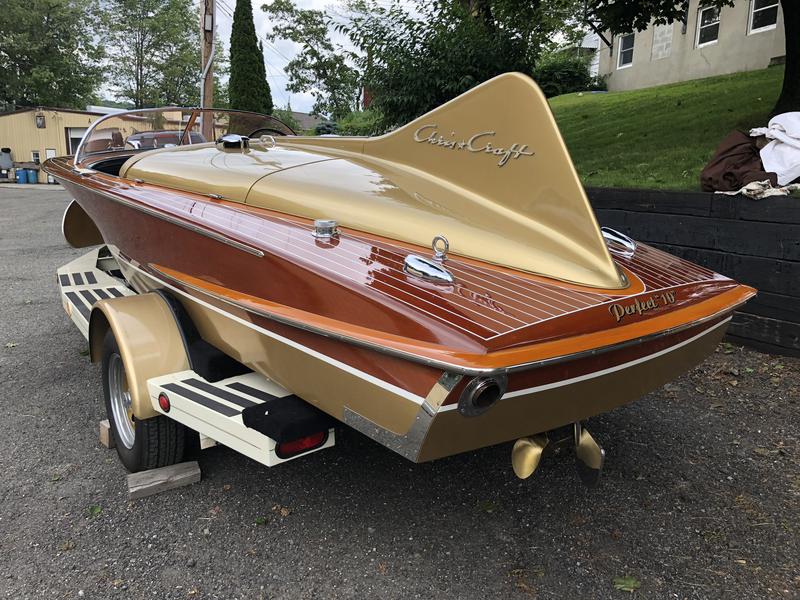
(782, 154)
(763, 189)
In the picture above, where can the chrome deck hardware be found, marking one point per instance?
(612, 235)
(430, 269)
(325, 229)
(83, 172)
(231, 141)
(440, 247)
(267, 141)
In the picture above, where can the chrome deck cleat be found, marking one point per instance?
(590, 457)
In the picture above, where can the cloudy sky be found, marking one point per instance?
(276, 54)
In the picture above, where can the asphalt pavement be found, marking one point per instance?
(700, 497)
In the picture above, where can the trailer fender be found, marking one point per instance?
(78, 228)
(149, 340)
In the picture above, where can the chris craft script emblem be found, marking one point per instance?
(641, 306)
(429, 134)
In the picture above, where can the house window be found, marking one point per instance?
(707, 26)
(35, 156)
(763, 15)
(625, 58)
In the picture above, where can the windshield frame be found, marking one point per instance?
(183, 134)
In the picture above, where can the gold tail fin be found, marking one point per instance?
(498, 146)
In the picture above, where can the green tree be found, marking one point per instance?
(248, 88)
(48, 53)
(360, 122)
(414, 56)
(624, 17)
(415, 60)
(181, 72)
(286, 116)
(321, 68)
(222, 70)
(153, 45)
(179, 76)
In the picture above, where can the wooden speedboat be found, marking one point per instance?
(440, 288)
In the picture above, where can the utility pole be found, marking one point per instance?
(207, 25)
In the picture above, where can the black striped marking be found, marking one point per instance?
(64, 279)
(77, 278)
(78, 303)
(251, 391)
(115, 292)
(90, 277)
(89, 297)
(102, 294)
(220, 393)
(223, 409)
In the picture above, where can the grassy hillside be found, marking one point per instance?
(661, 137)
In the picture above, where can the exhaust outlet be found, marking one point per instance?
(481, 394)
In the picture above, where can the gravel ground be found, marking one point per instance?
(699, 497)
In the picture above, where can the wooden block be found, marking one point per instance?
(147, 483)
(207, 442)
(106, 439)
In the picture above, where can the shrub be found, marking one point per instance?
(564, 73)
(361, 122)
(326, 128)
(285, 116)
(599, 83)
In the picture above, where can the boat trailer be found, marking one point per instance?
(244, 411)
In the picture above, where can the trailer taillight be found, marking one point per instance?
(304, 444)
(163, 402)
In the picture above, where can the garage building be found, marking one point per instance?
(36, 134)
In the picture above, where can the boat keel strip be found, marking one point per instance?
(239, 411)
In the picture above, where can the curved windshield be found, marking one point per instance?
(151, 128)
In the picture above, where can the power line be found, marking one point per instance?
(228, 12)
(269, 44)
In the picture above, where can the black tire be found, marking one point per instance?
(157, 442)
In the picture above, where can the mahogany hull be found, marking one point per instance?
(337, 325)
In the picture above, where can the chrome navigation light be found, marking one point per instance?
(325, 229)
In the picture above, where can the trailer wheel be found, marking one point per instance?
(141, 444)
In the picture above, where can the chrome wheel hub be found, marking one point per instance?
(121, 401)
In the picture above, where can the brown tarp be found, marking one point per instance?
(735, 163)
